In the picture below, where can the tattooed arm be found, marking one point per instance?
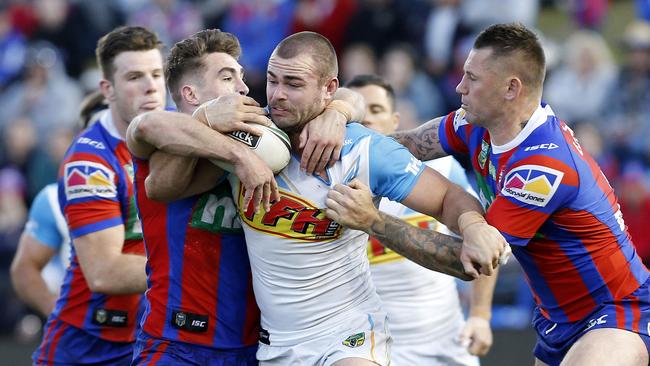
(423, 141)
(428, 248)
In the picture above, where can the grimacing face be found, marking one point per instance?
(380, 115)
(223, 75)
(480, 88)
(138, 84)
(294, 91)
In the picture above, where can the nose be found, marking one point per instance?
(242, 88)
(151, 85)
(277, 93)
(461, 87)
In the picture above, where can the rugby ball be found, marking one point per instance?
(273, 147)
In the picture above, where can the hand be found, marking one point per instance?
(476, 336)
(321, 140)
(257, 180)
(232, 112)
(483, 247)
(351, 205)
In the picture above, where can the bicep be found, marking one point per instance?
(173, 177)
(95, 249)
(423, 141)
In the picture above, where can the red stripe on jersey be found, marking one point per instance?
(78, 299)
(513, 219)
(620, 315)
(159, 352)
(598, 239)
(128, 303)
(201, 255)
(158, 250)
(55, 342)
(452, 138)
(85, 213)
(636, 314)
(572, 295)
(252, 321)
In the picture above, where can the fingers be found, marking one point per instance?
(266, 196)
(314, 159)
(336, 155)
(275, 191)
(468, 267)
(325, 158)
(250, 128)
(307, 152)
(503, 259)
(246, 100)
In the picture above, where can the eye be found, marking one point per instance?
(227, 78)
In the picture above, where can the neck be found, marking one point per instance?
(511, 123)
(120, 124)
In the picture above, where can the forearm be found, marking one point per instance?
(180, 134)
(428, 248)
(423, 141)
(356, 103)
(481, 299)
(32, 290)
(455, 203)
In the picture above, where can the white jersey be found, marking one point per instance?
(423, 307)
(309, 273)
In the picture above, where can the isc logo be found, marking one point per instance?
(198, 323)
(550, 146)
(118, 319)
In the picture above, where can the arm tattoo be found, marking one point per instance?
(423, 142)
(428, 248)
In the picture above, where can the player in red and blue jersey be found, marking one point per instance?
(95, 317)
(200, 303)
(551, 202)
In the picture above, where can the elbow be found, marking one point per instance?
(157, 190)
(16, 271)
(100, 284)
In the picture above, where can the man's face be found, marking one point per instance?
(481, 87)
(223, 75)
(294, 91)
(138, 84)
(379, 109)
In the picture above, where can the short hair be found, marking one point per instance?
(320, 48)
(360, 81)
(188, 55)
(123, 39)
(514, 39)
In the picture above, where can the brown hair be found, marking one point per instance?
(360, 81)
(520, 46)
(187, 56)
(122, 39)
(320, 48)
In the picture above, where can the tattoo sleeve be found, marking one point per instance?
(423, 142)
(428, 248)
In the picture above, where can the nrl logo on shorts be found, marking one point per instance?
(180, 319)
(101, 316)
(356, 340)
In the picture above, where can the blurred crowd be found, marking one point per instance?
(47, 66)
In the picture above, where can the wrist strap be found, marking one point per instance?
(342, 107)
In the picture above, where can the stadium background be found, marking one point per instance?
(598, 80)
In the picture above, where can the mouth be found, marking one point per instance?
(150, 106)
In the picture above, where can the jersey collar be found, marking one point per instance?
(106, 119)
(538, 118)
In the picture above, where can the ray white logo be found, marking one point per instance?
(532, 184)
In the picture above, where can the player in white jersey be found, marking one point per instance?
(311, 277)
(425, 316)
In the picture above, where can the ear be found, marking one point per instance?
(395, 120)
(514, 88)
(189, 95)
(107, 89)
(331, 87)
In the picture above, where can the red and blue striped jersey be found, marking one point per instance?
(96, 193)
(551, 201)
(199, 277)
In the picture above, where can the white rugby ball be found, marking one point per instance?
(273, 147)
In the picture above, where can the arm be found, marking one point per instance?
(31, 256)
(321, 139)
(423, 141)
(477, 334)
(181, 134)
(107, 270)
(174, 177)
(352, 206)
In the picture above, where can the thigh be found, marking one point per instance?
(607, 346)
(362, 341)
(354, 361)
(538, 362)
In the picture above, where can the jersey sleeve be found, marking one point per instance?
(532, 190)
(42, 224)
(88, 194)
(453, 133)
(393, 169)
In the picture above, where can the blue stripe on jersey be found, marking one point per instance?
(232, 291)
(95, 226)
(177, 212)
